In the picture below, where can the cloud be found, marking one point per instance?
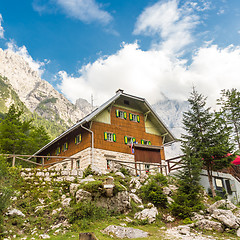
(1, 27)
(87, 11)
(22, 51)
(152, 73)
(171, 24)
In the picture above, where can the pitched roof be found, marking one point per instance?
(140, 102)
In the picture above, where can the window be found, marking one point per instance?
(129, 140)
(48, 158)
(219, 184)
(108, 164)
(78, 139)
(111, 137)
(145, 142)
(65, 147)
(121, 114)
(58, 151)
(78, 164)
(134, 117)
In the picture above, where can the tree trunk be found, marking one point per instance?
(209, 172)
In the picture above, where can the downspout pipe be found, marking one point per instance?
(92, 147)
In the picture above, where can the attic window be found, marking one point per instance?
(126, 102)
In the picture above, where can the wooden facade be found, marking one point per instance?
(107, 121)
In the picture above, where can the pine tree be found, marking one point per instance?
(207, 136)
(18, 136)
(230, 106)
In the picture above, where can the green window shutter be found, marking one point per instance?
(114, 137)
(125, 115)
(138, 118)
(125, 139)
(149, 143)
(134, 140)
(130, 116)
(75, 140)
(142, 141)
(66, 145)
(105, 136)
(80, 137)
(117, 113)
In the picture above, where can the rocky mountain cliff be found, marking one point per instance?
(37, 94)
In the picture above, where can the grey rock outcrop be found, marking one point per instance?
(124, 232)
(15, 212)
(119, 203)
(205, 224)
(221, 203)
(82, 195)
(135, 198)
(226, 217)
(149, 214)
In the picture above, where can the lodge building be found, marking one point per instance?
(125, 128)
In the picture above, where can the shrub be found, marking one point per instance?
(124, 171)
(153, 190)
(83, 213)
(87, 171)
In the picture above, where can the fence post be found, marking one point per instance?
(140, 172)
(71, 164)
(169, 170)
(13, 161)
(42, 162)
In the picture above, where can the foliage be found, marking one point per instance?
(5, 189)
(188, 198)
(94, 187)
(83, 213)
(153, 190)
(87, 171)
(207, 136)
(124, 171)
(18, 136)
(230, 106)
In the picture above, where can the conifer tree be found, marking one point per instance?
(206, 137)
(230, 106)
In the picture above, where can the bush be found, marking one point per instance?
(124, 171)
(87, 171)
(153, 191)
(83, 213)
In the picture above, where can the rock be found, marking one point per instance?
(169, 218)
(55, 211)
(135, 198)
(149, 214)
(82, 195)
(205, 224)
(15, 212)
(173, 188)
(197, 217)
(66, 202)
(140, 206)
(221, 203)
(134, 183)
(44, 236)
(226, 217)
(167, 191)
(150, 205)
(238, 232)
(170, 200)
(127, 219)
(70, 178)
(119, 203)
(87, 236)
(86, 180)
(184, 229)
(124, 232)
(120, 174)
(73, 188)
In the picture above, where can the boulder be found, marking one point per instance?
(197, 217)
(238, 232)
(205, 224)
(120, 174)
(44, 236)
(124, 232)
(222, 204)
(66, 202)
(82, 195)
(149, 214)
(73, 188)
(135, 198)
(119, 203)
(170, 200)
(226, 217)
(135, 183)
(167, 191)
(184, 229)
(15, 212)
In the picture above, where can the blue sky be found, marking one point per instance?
(148, 48)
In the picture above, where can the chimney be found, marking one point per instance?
(119, 91)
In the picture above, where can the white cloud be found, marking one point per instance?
(173, 24)
(84, 10)
(150, 73)
(22, 51)
(1, 27)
